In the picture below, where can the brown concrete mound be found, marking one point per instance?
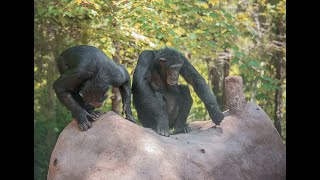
(246, 146)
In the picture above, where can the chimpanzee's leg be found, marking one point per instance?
(184, 102)
(151, 110)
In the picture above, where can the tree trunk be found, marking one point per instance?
(214, 79)
(116, 99)
(116, 96)
(278, 100)
(226, 67)
(279, 64)
(52, 71)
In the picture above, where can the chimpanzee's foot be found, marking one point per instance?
(163, 129)
(184, 129)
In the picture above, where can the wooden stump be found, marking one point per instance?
(236, 100)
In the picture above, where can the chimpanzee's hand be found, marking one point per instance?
(83, 122)
(163, 129)
(94, 115)
(131, 118)
(128, 113)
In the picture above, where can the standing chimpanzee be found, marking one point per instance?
(160, 101)
(86, 76)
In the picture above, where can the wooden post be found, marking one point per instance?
(236, 100)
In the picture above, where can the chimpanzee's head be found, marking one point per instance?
(170, 62)
(94, 94)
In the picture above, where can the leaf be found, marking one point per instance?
(202, 4)
(213, 15)
(97, 6)
(160, 36)
(261, 96)
(67, 13)
(275, 87)
(143, 19)
(253, 63)
(258, 78)
(62, 20)
(81, 10)
(235, 48)
(235, 60)
(41, 10)
(223, 31)
(71, 3)
(146, 26)
(173, 6)
(168, 43)
(79, 2)
(213, 2)
(179, 31)
(94, 12)
(243, 67)
(56, 129)
(192, 36)
(210, 43)
(229, 16)
(110, 18)
(239, 54)
(267, 78)
(235, 32)
(50, 9)
(266, 86)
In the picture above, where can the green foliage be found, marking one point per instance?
(46, 132)
(245, 31)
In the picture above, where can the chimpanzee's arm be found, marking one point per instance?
(68, 81)
(126, 100)
(124, 86)
(192, 76)
(141, 70)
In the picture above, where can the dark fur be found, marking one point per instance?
(88, 70)
(160, 106)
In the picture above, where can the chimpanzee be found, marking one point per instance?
(161, 102)
(86, 76)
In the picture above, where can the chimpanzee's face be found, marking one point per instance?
(94, 95)
(173, 74)
(170, 67)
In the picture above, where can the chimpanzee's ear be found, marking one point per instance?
(162, 60)
(81, 94)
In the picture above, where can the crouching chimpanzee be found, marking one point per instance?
(162, 103)
(86, 76)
